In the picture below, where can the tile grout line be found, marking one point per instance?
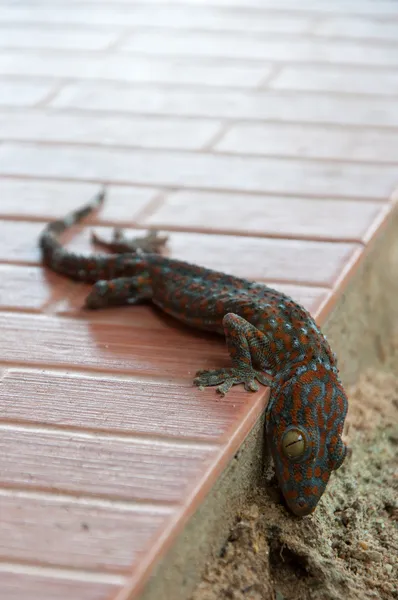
(59, 572)
(266, 81)
(104, 573)
(267, 10)
(98, 501)
(150, 207)
(91, 499)
(118, 376)
(213, 60)
(94, 433)
(182, 188)
(200, 87)
(57, 86)
(305, 33)
(224, 127)
(156, 150)
(120, 38)
(283, 123)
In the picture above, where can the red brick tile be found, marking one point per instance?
(354, 28)
(54, 38)
(176, 17)
(126, 406)
(108, 347)
(23, 93)
(195, 8)
(123, 203)
(335, 80)
(124, 467)
(289, 260)
(235, 255)
(311, 7)
(19, 241)
(66, 532)
(267, 215)
(53, 199)
(312, 142)
(19, 582)
(255, 106)
(66, 15)
(206, 171)
(26, 288)
(112, 67)
(216, 45)
(150, 132)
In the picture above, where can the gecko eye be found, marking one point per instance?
(294, 444)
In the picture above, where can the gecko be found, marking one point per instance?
(271, 340)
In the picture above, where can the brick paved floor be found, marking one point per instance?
(262, 136)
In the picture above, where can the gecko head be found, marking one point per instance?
(304, 427)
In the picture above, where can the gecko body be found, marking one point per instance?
(271, 340)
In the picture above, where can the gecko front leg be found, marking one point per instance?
(248, 348)
(123, 290)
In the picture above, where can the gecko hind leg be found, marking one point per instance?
(247, 346)
(150, 243)
(123, 290)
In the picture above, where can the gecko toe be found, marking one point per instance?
(225, 379)
(210, 378)
(251, 385)
(224, 388)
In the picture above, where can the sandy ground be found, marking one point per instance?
(348, 549)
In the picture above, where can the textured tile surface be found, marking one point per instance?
(199, 170)
(45, 199)
(43, 584)
(278, 105)
(120, 406)
(260, 135)
(73, 532)
(284, 217)
(311, 142)
(155, 132)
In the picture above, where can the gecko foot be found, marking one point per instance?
(226, 378)
(152, 242)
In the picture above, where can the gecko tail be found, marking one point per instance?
(89, 269)
(57, 227)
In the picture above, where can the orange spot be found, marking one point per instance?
(311, 491)
(314, 393)
(317, 471)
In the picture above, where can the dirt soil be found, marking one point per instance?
(348, 549)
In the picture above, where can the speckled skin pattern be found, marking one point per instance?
(270, 338)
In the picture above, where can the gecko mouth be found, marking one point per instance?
(300, 507)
